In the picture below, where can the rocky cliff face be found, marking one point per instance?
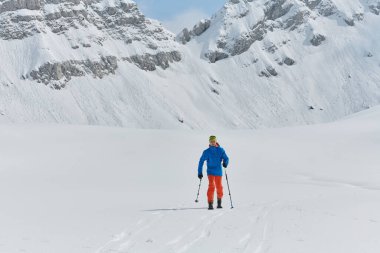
(120, 19)
(84, 24)
(240, 23)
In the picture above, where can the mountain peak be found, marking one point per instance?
(240, 23)
(83, 37)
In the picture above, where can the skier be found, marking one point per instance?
(214, 156)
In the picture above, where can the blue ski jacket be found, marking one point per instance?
(214, 157)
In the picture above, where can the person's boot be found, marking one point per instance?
(219, 203)
(210, 206)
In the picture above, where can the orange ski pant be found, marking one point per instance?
(214, 182)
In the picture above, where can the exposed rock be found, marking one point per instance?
(276, 9)
(59, 73)
(119, 21)
(269, 71)
(317, 39)
(127, 23)
(215, 56)
(358, 16)
(201, 27)
(13, 5)
(215, 81)
(327, 8)
(123, 21)
(215, 91)
(349, 21)
(264, 73)
(244, 42)
(289, 61)
(150, 62)
(296, 20)
(272, 48)
(186, 35)
(272, 71)
(221, 43)
(375, 9)
(312, 3)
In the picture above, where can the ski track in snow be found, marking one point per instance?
(126, 240)
(215, 226)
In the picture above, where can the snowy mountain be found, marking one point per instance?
(255, 63)
(64, 39)
(241, 23)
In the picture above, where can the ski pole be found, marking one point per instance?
(200, 181)
(229, 192)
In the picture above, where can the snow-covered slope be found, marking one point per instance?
(292, 61)
(254, 64)
(94, 189)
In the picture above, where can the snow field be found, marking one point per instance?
(96, 189)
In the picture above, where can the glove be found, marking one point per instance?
(224, 165)
(200, 176)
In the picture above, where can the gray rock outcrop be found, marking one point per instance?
(215, 56)
(268, 72)
(58, 74)
(87, 25)
(289, 61)
(273, 18)
(123, 22)
(375, 8)
(150, 62)
(201, 27)
(349, 21)
(185, 35)
(317, 39)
